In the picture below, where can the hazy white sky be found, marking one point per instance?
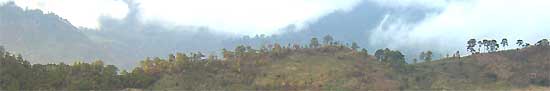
(467, 18)
(237, 16)
(490, 19)
(448, 29)
(461, 20)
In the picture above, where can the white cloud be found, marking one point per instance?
(459, 21)
(240, 16)
(413, 3)
(236, 16)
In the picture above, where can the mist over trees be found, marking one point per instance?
(123, 41)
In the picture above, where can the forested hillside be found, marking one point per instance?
(44, 36)
(319, 65)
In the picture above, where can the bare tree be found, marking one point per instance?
(457, 54)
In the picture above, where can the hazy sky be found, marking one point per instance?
(444, 30)
(460, 20)
(457, 20)
(236, 16)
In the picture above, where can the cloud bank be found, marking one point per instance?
(240, 16)
(233, 16)
(447, 29)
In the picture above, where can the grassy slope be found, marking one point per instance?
(525, 69)
(303, 69)
(509, 69)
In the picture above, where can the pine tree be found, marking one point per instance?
(354, 46)
(327, 39)
(314, 43)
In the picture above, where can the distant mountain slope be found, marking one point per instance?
(352, 25)
(45, 37)
(48, 38)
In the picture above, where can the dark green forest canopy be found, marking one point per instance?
(327, 66)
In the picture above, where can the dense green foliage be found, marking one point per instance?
(18, 74)
(331, 66)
